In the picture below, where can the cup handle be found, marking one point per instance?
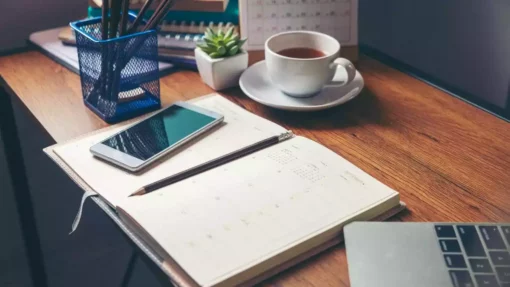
(345, 64)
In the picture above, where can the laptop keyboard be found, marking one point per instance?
(476, 255)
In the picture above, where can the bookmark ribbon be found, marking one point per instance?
(77, 219)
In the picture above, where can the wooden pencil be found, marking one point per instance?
(112, 51)
(163, 9)
(139, 17)
(124, 17)
(212, 164)
(161, 14)
(114, 18)
(120, 48)
(104, 19)
(154, 19)
(105, 9)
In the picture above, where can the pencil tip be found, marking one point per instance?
(141, 191)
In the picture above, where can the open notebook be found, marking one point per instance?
(241, 220)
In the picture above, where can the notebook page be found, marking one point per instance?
(241, 128)
(223, 221)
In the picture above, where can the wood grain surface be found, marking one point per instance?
(450, 161)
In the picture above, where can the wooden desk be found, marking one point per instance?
(449, 160)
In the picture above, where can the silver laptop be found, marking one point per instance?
(388, 254)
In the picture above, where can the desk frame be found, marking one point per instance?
(23, 200)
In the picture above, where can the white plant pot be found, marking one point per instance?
(221, 73)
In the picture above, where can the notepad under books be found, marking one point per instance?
(49, 43)
(239, 222)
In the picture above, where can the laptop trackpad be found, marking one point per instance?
(395, 254)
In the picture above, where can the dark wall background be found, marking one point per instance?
(20, 18)
(465, 43)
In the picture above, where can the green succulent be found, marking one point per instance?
(221, 44)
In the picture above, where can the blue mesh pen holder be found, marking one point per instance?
(119, 76)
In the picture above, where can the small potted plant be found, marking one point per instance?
(221, 59)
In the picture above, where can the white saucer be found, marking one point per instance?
(256, 84)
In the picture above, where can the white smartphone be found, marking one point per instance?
(144, 142)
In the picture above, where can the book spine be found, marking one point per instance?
(194, 27)
(185, 36)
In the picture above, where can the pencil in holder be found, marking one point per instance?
(119, 76)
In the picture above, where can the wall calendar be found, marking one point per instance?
(261, 19)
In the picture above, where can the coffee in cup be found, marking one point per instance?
(302, 53)
(302, 63)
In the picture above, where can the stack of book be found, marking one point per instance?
(181, 30)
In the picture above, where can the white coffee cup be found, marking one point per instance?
(300, 77)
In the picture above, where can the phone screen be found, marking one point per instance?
(159, 132)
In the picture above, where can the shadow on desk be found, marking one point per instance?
(365, 106)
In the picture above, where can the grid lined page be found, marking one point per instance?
(240, 129)
(223, 221)
(260, 19)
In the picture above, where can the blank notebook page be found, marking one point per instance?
(241, 128)
(223, 221)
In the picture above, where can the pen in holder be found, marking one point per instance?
(119, 76)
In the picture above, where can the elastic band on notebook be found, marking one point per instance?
(77, 219)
